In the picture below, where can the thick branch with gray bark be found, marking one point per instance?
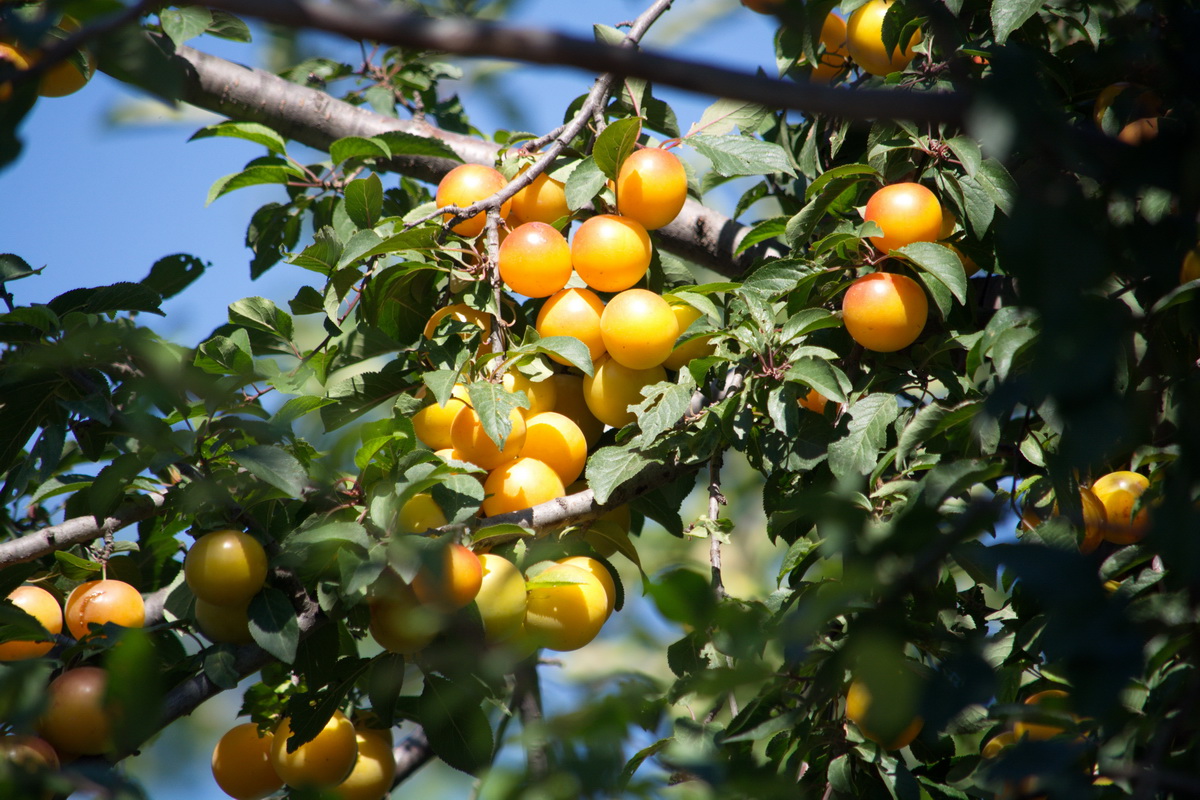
(474, 38)
(316, 119)
(77, 531)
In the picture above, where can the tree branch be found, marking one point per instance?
(473, 38)
(314, 118)
(411, 754)
(77, 531)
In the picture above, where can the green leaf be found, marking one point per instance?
(567, 348)
(276, 171)
(357, 147)
(942, 263)
(1008, 15)
(364, 201)
(683, 596)
(229, 355)
(182, 24)
(13, 267)
(998, 184)
(355, 252)
(742, 155)
(170, 275)
(967, 151)
(273, 624)
(315, 552)
(857, 452)
(614, 144)
(261, 314)
(107, 299)
(801, 226)
(858, 172)
(275, 466)
(664, 408)
(494, 405)
(585, 182)
(458, 496)
(400, 143)
(639, 757)
(418, 239)
(250, 131)
(113, 480)
(355, 396)
(227, 26)
(724, 116)
(609, 467)
(457, 727)
(74, 567)
(819, 374)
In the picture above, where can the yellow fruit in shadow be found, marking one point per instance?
(461, 312)
(600, 572)
(432, 423)
(420, 513)
(858, 711)
(572, 405)
(77, 719)
(320, 763)
(814, 401)
(1190, 269)
(1118, 492)
(454, 584)
(565, 607)
(557, 442)
(241, 763)
(997, 744)
(1052, 700)
(399, 622)
(42, 606)
(472, 443)
(864, 33)
(11, 57)
(542, 394)
(374, 769)
(835, 60)
(690, 350)
(501, 598)
(226, 568)
(230, 624)
(614, 387)
(543, 200)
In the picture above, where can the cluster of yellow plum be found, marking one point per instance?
(345, 760)
(224, 569)
(858, 39)
(560, 606)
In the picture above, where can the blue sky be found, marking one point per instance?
(96, 203)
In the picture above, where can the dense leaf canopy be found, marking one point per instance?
(919, 522)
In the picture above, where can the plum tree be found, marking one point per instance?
(930, 451)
